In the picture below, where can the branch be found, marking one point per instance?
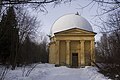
(107, 2)
(26, 2)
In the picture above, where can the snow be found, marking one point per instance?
(70, 21)
(49, 72)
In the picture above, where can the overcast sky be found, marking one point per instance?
(54, 13)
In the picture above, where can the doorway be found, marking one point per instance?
(74, 59)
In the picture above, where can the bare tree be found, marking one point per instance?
(35, 4)
(107, 6)
(27, 24)
(38, 2)
(109, 47)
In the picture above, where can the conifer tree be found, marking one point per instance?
(9, 36)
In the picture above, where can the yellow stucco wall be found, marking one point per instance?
(52, 56)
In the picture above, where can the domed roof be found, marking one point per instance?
(70, 21)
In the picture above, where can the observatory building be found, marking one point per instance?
(72, 41)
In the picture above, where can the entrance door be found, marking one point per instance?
(74, 59)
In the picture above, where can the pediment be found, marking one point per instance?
(75, 31)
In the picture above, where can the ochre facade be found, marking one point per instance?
(73, 47)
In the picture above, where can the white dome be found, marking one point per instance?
(70, 21)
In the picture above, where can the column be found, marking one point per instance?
(57, 52)
(79, 55)
(82, 53)
(68, 52)
(92, 51)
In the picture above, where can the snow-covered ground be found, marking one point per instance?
(49, 72)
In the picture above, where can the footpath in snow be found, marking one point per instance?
(49, 72)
